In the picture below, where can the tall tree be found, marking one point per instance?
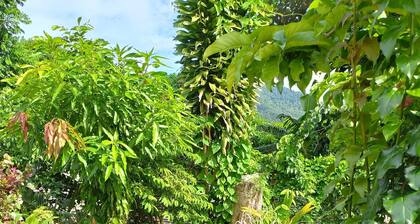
(11, 17)
(224, 141)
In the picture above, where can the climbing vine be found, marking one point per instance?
(224, 143)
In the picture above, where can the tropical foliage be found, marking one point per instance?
(94, 133)
(367, 51)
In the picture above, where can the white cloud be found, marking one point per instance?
(144, 24)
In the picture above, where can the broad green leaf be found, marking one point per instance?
(306, 38)
(412, 174)
(226, 42)
(270, 70)
(392, 124)
(407, 64)
(414, 142)
(236, 67)
(388, 41)
(308, 102)
(360, 186)
(267, 52)
(374, 200)
(389, 159)
(403, 209)
(296, 68)
(389, 100)
(280, 37)
(352, 154)
(155, 134)
(371, 48)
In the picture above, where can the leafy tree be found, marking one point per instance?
(224, 141)
(11, 17)
(367, 50)
(117, 137)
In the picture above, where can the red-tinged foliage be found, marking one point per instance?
(22, 118)
(57, 133)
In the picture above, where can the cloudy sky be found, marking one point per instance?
(144, 24)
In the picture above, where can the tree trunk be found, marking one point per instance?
(249, 194)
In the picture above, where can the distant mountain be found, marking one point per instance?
(271, 104)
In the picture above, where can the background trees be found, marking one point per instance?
(10, 21)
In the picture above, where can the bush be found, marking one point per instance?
(117, 136)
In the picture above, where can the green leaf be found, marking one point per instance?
(389, 159)
(414, 92)
(155, 134)
(270, 70)
(352, 154)
(308, 102)
(389, 100)
(266, 52)
(82, 160)
(296, 68)
(414, 142)
(235, 69)
(360, 186)
(388, 41)
(403, 209)
(371, 48)
(412, 174)
(110, 136)
(280, 37)
(307, 38)
(392, 124)
(407, 64)
(226, 42)
(108, 172)
(57, 91)
(120, 173)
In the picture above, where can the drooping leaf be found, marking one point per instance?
(270, 70)
(389, 100)
(403, 209)
(155, 133)
(226, 42)
(296, 68)
(392, 124)
(388, 42)
(412, 173)
(108, 172)
(371, 48)
(389, 159)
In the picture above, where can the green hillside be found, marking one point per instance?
(271, 104)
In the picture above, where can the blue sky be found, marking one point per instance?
(143, 24)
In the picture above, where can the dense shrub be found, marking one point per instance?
(116, 135)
